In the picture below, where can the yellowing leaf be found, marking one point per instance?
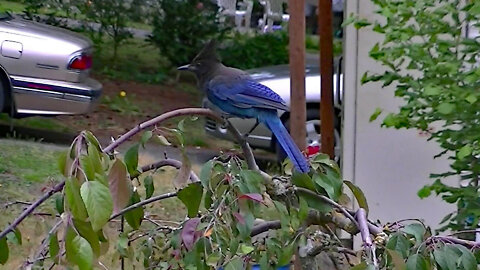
(208, 232)
(119, 186)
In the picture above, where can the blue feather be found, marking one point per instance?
(245, 98)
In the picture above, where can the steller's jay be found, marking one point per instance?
(236, 93)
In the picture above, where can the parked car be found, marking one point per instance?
(44, 70)
(278, 79)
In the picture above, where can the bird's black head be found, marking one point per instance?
(205, 61)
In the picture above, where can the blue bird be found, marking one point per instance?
(236, 93)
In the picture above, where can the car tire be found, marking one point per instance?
(313, 134)
(2, 97)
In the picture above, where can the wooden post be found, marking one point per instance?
(326, 74)
(296, 33)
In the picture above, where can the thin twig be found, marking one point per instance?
(145, 202)
(16, 202)
(31, 208)
(168, 162)
(328, 201)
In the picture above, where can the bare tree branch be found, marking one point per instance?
(168, 162)
(145, 202)
(184, 112)
(32, 208)
(265, 226)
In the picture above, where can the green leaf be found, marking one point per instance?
(134, 217)
(446, 258)
(206, 172)
(3, 250)
(54, 248)
(246, 249)
(432, 90)
(360, 23)
(359, 195)
(330, 182)
(92, 139)
(464, 152)
(375, 114)
(149, 187)
(287, 254)
(253, 181)
(119, 186)
(471, 98)
(86, 231)
(62, 162)
(417, 262)
(122, 245)
(315, 203)
(95, 159)
(399, 243)
(235, 264)
(446, 108)
(87, 166)
(303, 180)
(145, 137)
(131, 160)
(303, 209)
(74, 199)
(59, 204)
(397, 260)
(98, 203)
(424, 192)
(415, 229)
(79, 252)
(467, 259)
(361, 266)
(191, 196)
(15, 237)
(162, 140)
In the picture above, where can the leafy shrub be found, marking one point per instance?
(180, 28)
(435, 70)
(245, 51)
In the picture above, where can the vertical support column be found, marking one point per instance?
(326, 75)
(296, 32)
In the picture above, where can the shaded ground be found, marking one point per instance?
(117, 114)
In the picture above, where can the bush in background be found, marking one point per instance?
(180, 28)
(245, 51)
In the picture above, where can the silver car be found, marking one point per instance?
(44, 70)
(278, 79)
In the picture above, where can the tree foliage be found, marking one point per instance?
(237, 215)
(433, 67)
(180, 28)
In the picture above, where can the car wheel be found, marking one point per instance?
(2, 97)
(313, 135)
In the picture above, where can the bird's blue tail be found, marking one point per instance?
(273, 122)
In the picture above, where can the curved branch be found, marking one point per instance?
(145, 202)
(31, 208)
(168, 162)
(184, 112)
(265, 226)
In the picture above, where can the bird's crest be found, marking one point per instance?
(209, 52)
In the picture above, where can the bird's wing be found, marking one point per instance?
(243, 92)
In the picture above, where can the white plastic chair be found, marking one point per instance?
(273, 11)
(228, 8)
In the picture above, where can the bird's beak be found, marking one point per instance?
(184, 67)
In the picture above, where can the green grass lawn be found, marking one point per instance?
(15, 7)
